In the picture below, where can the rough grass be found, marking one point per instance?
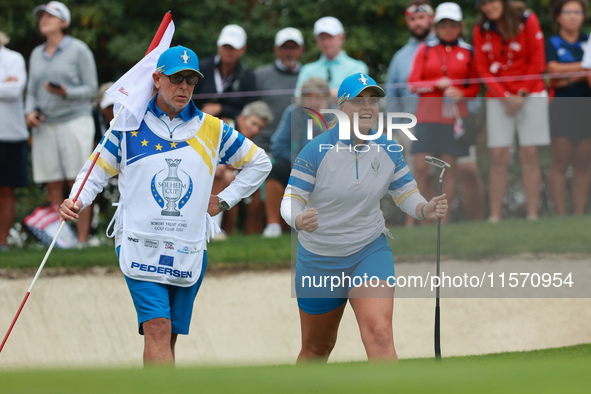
(465, 241)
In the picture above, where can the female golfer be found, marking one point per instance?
(333, 201)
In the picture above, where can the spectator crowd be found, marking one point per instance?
(529, 87)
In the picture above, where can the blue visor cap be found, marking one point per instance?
(355, 84)
(177, 59)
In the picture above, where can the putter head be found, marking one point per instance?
(436, 162)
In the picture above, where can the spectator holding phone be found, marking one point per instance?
(60, 93)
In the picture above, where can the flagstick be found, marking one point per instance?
(155, 41)
(98, 153)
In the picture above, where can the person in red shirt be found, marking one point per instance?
(439, 71)
(509, 57)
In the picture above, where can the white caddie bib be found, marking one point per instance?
(161, 217)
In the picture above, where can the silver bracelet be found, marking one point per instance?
(423, 213)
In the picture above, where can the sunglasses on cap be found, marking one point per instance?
(177, 79)
(414, 8)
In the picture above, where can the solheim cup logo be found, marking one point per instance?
(172, 189)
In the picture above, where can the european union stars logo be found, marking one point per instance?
(142, 144)
(166, 260)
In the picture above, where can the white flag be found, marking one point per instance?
(133, 90)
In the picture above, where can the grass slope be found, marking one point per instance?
(542, 371)
(467, 240)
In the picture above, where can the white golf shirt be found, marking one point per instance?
(345, 184)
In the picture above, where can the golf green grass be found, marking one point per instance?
(562, 370)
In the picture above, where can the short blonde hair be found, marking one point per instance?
(315, 85)
(258, 108)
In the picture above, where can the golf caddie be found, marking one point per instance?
(163, 219)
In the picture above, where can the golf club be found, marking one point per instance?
(443, 165)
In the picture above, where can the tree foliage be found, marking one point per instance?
(119, 32)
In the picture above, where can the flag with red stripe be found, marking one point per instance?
(133, 90)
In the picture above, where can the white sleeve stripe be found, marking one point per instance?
(400, 173)
(403, 190)
(303, 176)
(231, 138)
(241, 152)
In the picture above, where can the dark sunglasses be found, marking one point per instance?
(447, 23)
(177, 79)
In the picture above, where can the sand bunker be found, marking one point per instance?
(250, 318)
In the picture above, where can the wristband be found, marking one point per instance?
(423, 213)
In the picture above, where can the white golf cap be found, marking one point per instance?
(232, 35)
(106, 101)
(448, 11)
(54, 8)
(289, 34)
(329, 25)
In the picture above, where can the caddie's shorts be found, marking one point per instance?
(153, 300)
(323, 282)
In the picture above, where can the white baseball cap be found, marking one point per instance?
(106, 101)
(448, 11)
(289, 34)
(232, 35)
(54, 8)
(329, 25)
